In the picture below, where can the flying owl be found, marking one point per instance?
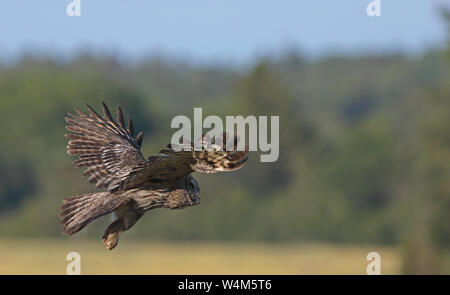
(133, 185)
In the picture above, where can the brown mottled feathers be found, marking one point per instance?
(77, 212)
(112, 154)
(106, 148)
(171, 164)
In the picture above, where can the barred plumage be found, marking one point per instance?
(111, 154)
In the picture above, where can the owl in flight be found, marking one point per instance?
(132, 184)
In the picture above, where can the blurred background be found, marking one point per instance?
(364, 106)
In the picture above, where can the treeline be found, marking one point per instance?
(364, 145)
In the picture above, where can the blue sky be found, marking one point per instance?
(211, 30)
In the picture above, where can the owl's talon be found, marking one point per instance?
(110, 243)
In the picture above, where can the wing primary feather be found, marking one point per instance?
(130, 127)
(140, 138)
(106, 112)
(80, 113)
(94, 113)
(120, 117)
(108, 149)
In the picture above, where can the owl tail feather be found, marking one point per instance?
(77, 212)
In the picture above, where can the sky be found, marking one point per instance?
(212, 30)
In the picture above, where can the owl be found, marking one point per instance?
(133, 185)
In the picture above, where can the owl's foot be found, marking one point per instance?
(111, 241)
(126, 219)
(111, 236)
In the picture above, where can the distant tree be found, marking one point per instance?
(264, 93)
(437, 139)
(17, 182)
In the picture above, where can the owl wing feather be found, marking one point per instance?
(105, 147)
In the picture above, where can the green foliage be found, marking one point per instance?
(17, 182)
(363, 145)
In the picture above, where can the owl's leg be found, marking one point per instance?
(111, 236)
(127, 217)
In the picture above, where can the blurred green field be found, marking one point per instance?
(133, 257)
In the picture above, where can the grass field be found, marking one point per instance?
(131, 257)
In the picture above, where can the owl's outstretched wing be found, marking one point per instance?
(111, 153)
(171, 165)
(108, 149)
